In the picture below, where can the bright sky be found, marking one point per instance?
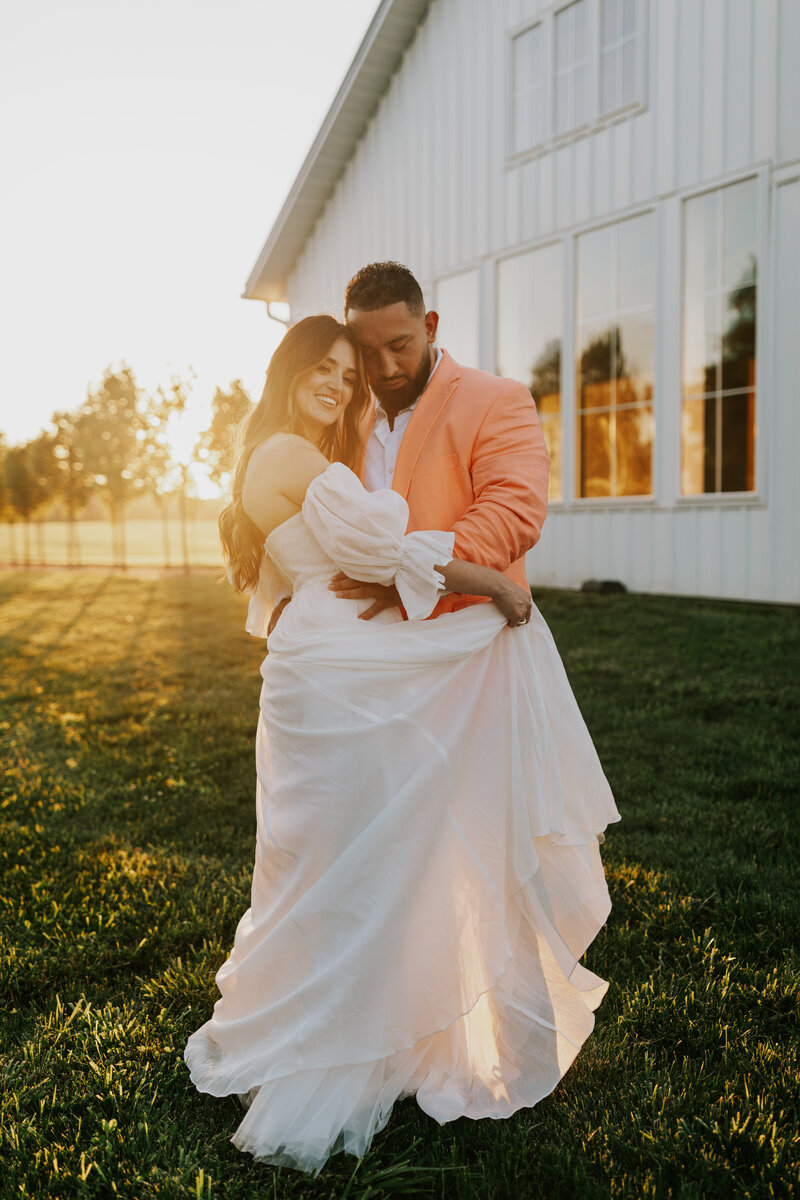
(146, 147)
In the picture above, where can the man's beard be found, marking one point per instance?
(394, 400)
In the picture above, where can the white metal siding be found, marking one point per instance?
(430, 184)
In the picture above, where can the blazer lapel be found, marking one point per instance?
(423, 418)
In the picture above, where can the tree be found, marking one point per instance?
(44, 469)
(24, 492)
(107, 436)
(158, 470)
(75, 484)
(216, 446)
(6, 511)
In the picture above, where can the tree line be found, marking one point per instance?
(115, 446)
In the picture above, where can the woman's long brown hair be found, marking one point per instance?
(304, 346)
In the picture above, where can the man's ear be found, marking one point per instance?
(431, 325)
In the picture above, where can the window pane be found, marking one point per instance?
(739, 235)
(635, 355)
(529, 335)
(579, 10)
(719, 342)
(581, 86)
(596, 366)
(634, 451)
(594, 455)
(458, 304)
(739, 340)
(610, 21)
(615, 366)
(609, 70)
(629, 53)
(564, 39)
(595, 274)
(629, 17)
(563, 95)
(636, 262)
(738, 443)
(693, 437)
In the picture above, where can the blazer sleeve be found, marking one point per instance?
(510, 470)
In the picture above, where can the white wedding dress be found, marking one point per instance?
(427, 872)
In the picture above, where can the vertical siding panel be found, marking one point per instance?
(689, 90)
(713, 78)
(428, 134)
(765, 81)
(788, 79)
(601, 172)
(481, 160)
(738, 59)
(546, 196)
(622, 190)
(565, 177)
(582, 184)
(643, 152)
(497, 231)
(782, 419)
(529, 223)
(663, 17)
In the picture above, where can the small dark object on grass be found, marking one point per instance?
(606, 587)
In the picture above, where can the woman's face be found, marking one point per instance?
(323, 392)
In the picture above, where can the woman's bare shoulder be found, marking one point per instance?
(278, 473)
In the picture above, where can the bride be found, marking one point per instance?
(429, 803)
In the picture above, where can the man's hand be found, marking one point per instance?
(275, 616)
(352, 589)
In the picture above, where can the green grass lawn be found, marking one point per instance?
(127, 713)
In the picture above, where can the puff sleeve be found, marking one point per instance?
(364, 533)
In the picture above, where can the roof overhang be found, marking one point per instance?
(378, 57)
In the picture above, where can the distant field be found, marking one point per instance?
(144, 538)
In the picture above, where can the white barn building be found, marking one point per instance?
(602, 199)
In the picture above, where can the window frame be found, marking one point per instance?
(758, 497)
(596, 118)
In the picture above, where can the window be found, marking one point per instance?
(615, 336)
(572, 67)
(530, 89)
(529, 336)
(458, 306)
(619, 54)
(718, 425)
(579, 63)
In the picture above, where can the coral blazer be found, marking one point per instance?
(473, 460)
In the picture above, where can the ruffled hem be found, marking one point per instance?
(507, 1050)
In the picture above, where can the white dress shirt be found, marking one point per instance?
(383, 444)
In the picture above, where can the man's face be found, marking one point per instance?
(397, 351)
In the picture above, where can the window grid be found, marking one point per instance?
(571, 73)
(530, 89)
(619, 52)
(643, 405)
(716, 295)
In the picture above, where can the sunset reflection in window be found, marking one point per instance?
(718, 420)
(529, 334)
(615, 341)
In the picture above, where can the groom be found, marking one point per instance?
(464, 448)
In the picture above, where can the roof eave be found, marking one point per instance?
(376, 60)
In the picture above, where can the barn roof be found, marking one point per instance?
(376, 60)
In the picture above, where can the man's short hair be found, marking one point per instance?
(381, 284)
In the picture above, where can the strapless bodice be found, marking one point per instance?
(298, 555)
